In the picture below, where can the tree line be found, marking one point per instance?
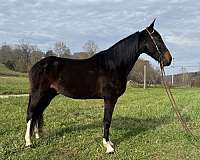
(22, 56)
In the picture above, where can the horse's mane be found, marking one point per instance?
(120, 55)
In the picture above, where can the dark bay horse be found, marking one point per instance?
(103, 76)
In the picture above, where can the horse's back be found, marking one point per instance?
(67, 76)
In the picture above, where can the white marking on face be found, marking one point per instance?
(27, 135)
(108, 145)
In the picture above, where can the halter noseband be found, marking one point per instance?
(158, 50)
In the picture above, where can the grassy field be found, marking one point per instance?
(143, 127)
(4, 71)
(12, 82)
(13, 85)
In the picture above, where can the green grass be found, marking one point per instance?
(14, 85)
(4, 71)
(12, 82)
(143, 127)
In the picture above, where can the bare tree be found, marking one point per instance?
(26, 50)
(90, 47)
(61, 50)
(5, 53)
(136, 74)
(49, 53)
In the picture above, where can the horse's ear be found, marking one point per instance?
(151, 27)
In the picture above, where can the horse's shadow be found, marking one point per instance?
(126, 126)
(132, 127)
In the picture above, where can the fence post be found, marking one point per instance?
(172, 72)
(145, 72)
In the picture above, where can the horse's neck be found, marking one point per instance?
(126, 53)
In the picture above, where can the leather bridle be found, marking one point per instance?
(156, 46)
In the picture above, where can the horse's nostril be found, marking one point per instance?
(168, 63)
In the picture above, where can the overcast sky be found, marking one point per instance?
(43, 22)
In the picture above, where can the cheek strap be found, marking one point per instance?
(156, 46)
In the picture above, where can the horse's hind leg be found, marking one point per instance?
(37, 104)
(29, 122)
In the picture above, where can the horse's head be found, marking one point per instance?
(155, 47)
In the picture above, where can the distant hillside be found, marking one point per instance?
(4, 71)
(190, 79)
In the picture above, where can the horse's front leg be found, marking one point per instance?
(109, 105)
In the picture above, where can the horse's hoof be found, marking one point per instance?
(28, 145)
(108, 145)
(110, 150)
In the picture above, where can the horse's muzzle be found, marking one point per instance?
(167, 58)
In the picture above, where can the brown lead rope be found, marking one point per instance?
(174, 105)
(168, 91)
(173, 102)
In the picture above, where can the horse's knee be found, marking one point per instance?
(29, 116)
(106, 125)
